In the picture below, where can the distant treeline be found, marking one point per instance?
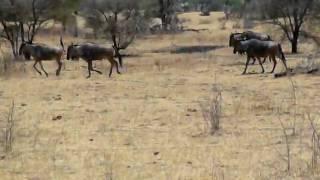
(211, 5)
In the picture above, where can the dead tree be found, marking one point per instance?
(165, 11)
(121, 22)
(289, 15)
(24, 18)
(11, 24)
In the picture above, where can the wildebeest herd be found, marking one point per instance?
(254, 45)
(87, 51)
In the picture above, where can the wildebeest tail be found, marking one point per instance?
(283, 58)
(281, 52)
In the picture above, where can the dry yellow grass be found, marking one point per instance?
(147, 123)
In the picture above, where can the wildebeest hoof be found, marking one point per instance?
(88, 77)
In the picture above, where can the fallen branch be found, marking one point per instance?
(313, 71)
(283, 74)
(195, 30)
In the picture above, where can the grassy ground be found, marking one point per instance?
(147, 122)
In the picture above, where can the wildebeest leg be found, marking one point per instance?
(95, 70)
(59, 67)
(254, 61)
(89, 68)
(35, 67)
(117, 66)
(113, 62)
(247, 63)
(285, 64)
(274, 64)
(264, 60)
(40, 62)
(261, 65)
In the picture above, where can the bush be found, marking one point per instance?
(6, 63)
(212, 112)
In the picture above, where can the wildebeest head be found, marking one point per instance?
(238, 48)
(233, 38)
(23, 50)
(73, 52)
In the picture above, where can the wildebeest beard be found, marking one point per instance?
(27, 55)
(71, 54)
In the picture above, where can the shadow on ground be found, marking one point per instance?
(189, 49)
(131, 55)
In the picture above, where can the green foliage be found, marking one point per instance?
(67, 8)
(214, 4)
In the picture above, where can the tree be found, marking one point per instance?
(289, 15)
(41, 12)
(11, 22)
(121, 20)
(66, 12)
(163, 9)
(167, 9)
(22, 18)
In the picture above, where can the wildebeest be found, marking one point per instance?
(247, 35)
(92, 52)
(42, 52)
(256, 49)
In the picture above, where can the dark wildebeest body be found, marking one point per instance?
(42, 52)
(257, 49)
(92, 52)
(247, 35)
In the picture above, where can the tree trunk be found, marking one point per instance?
(76, 32)
(119, 58)
(162, 14)
(15, 52)
(294, 46)
(64, 25)
(164, 22)
(116, 49)
(294, 42)
(22, 31)
(75, 27)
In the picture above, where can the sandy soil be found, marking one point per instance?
(147, 122)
